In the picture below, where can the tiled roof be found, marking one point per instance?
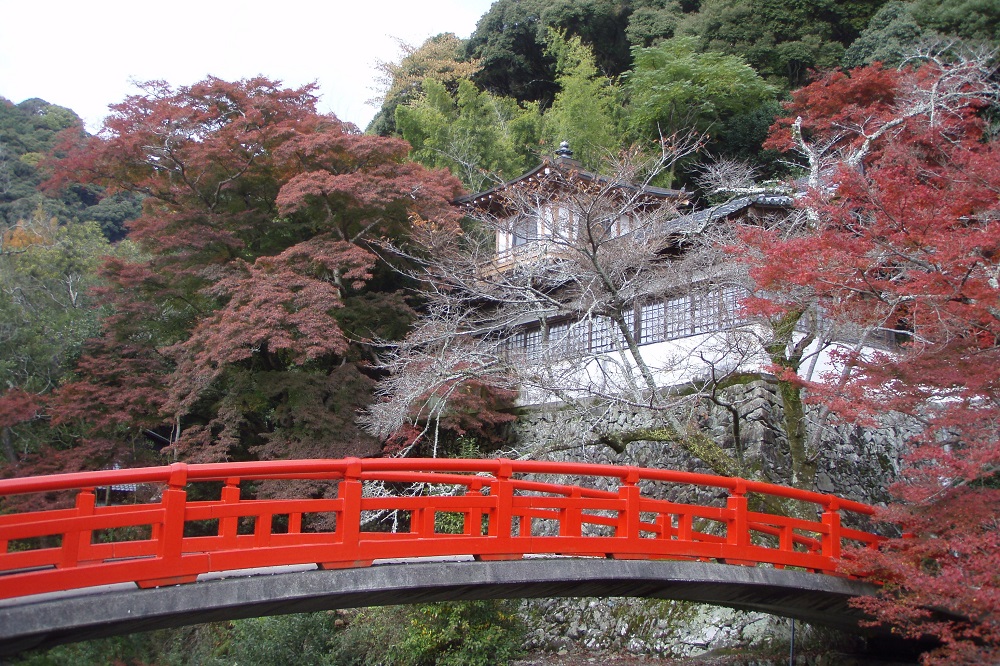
(693, 223)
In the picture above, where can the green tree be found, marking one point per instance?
(29, 131)
(587, 109)
(782, 39)
(479, 136)
(673, 87)
(968, 19)
(440, 58)
(653, 21)
(891, 35)
(47, 311)
(510, 41)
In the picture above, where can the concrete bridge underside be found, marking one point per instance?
(48, 620)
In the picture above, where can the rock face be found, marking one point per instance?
(648, 626)
(854, 462)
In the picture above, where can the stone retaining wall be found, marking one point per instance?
(854, 462)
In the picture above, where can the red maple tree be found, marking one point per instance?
(901, 232)
(244, 324)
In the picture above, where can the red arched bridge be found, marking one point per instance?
(602, 529)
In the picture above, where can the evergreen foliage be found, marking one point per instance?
(30, 131)
(482, 138)
(587, 109)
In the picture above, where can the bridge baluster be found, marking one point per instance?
(78, 541)
(262, 529)
(831, 539)
(571, 517)
(628, 519)
(665, 523)
(738, 528)
(173, 501)
(501, 518)
(347, 532)
(170, 535)
(472, 524)
(229, 525)
(685, 527)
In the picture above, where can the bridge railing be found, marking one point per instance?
(489, 509)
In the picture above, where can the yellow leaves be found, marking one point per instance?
(26, 233)
(424, 224)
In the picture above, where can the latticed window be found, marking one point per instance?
(525, 230)
(704, 312)
(677, 317)
(533, 342)
(602, 334)
(729, 306)
(656, 321)
(651, 322)
(560, 338)
(515, 343)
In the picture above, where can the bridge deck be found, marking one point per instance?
(53, 619)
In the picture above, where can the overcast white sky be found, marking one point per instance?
(82, 54)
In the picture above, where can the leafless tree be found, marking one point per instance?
(553, 314)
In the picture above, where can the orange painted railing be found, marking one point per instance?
(496, 509)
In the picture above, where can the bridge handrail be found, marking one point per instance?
(502, 500)
(331, 469)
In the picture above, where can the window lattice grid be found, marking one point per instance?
(704, 312)
(525, 230)
(514, 343)
(729, 306)
(677, 317)
(602, 331)
(533, 342)
(652, 317)
(560, 339)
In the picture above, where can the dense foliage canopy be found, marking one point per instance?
(243, 326)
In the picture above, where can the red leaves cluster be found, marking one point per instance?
(905, 234)
(255, 231)
(17, 406)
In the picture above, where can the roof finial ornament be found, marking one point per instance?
(564, 150)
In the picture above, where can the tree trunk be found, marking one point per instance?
(8, 445)
(803, 464)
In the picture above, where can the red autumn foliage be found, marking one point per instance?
(226, 337)
(904, 233)
(17, 406)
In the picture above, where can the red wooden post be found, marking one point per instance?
(262, 530)
(628, 518)
(78, 541)
(229, 525)
(173, 501)
(473, 523)
(501, 518)
(348, 529)
(665, 524)
(505, 503)
(831, 539)
(426, 518)
(571, 518)
(170, 542)
(738, 528)
(685, 527)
